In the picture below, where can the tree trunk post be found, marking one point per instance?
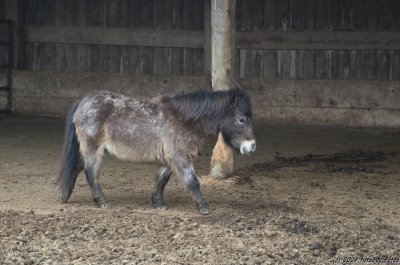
(222, 71)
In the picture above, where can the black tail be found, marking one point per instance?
(71, 161)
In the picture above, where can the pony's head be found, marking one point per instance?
(236, 126)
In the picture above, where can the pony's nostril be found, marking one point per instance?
(253, 147)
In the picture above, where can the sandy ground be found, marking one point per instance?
(307, 196)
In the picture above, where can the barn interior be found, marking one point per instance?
(324, 78)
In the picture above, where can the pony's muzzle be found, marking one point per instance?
(247, 146)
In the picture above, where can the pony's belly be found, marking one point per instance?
(134, 152)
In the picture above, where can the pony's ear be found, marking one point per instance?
(235, 98)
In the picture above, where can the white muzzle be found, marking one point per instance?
(247, 147)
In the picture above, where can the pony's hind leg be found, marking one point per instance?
(92, 170)
(161, 179)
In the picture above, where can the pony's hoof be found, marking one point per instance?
(102, 203)
(203, 208)
(158, 203)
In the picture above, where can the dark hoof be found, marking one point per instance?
(202, 207)
(102, 203)
(158, 203)
(64, 197)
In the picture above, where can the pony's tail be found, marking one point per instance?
(71, 161)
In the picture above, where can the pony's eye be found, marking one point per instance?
(242, 120)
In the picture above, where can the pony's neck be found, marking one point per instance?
(205, 108)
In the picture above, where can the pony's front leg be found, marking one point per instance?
(161, 179)
(189, 179)
(92, 170)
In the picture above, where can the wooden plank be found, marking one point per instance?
(94, 13)
(38, 17)
(188, 14)
(177, 61)
(158, 14)
(83, 9)
(35, 57)
(83, 58)
(71, 58)
(115, 36)
(321, 63)
(257, 18)
(244, 15)
(47, 57)
(14, 12)
(383, 65)
(71, 12)
(141, 14)
(188, 61)
(146, 60)
(112, 13)
(207, 39)
(305, 64)
(256, 62)
(199, 62)
(134, 61)
(270, 16)
(322, 15)
(347, 94)
(344, 64)
(394, 56)
(146, 11)
(317, 102)
(286, 64)
(161, 61)
(319, 40)
(177, 14)
(199, 14)
(251, 63)
(283, 18)
(372, 65)
(333, 64)
(109, 59)
(60, 59)
(124, 13)
(95, 65)
(124, 59)
(269, 64)
(28, 60)
(59, 13)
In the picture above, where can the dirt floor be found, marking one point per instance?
(307, 196)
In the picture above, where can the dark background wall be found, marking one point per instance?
(320, 62)
(261, 16)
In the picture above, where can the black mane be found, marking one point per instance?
(209, 104)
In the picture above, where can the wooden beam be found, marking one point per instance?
(319, 40)
(207, 39)
(358, 103)
(222, 74)
(13, 12)
(223, 43)
(307, 40)
(116, 36)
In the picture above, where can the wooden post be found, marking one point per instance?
(13, 12)
(207, 41)
(222, 71)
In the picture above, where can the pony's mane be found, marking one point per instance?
(206, 104)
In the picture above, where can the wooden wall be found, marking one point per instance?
(313, 18)
(123, 14)
(277, 39)
(320, 62)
